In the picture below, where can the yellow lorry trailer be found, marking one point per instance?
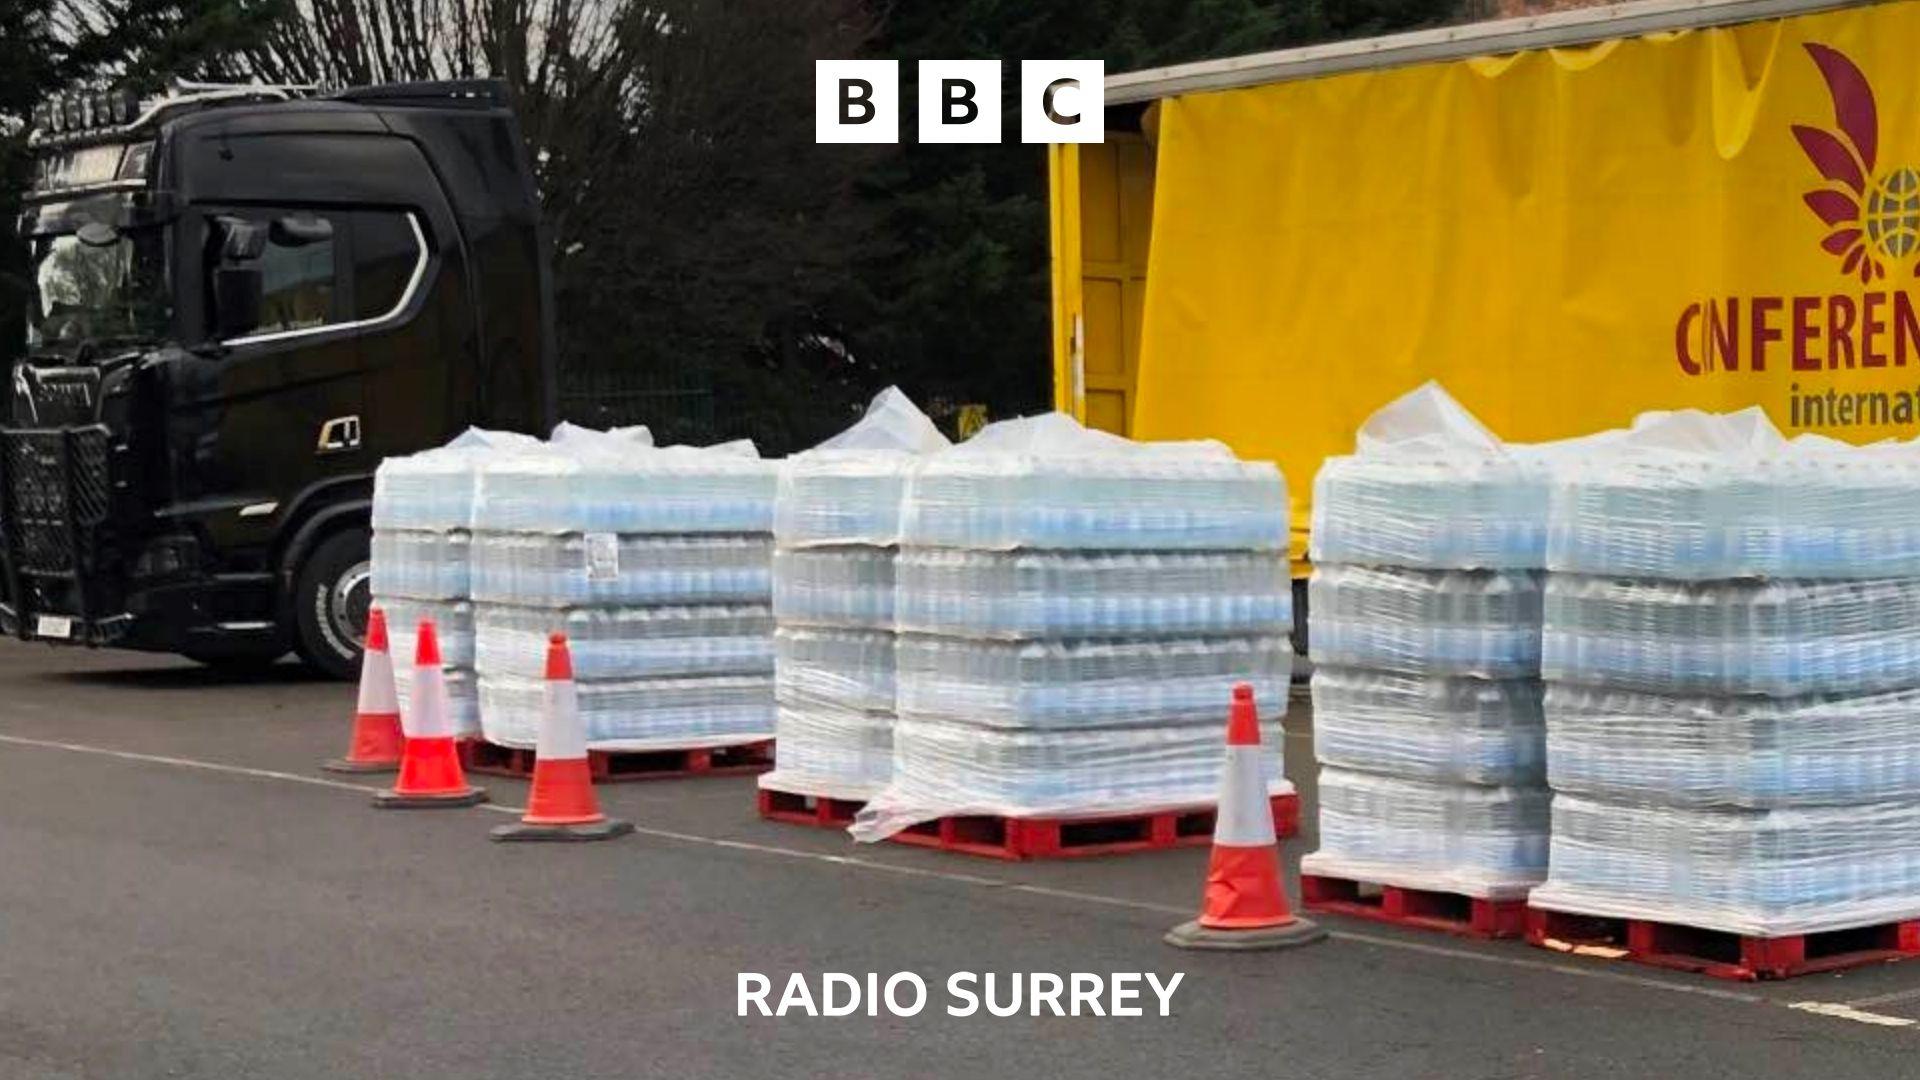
(1566, 219)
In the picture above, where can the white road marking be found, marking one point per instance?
(1840, 1011)
(1833, 1010)
(188, 763)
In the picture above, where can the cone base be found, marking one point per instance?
(598, 830)
(349, 765)
(1191, 935)
(394, 800)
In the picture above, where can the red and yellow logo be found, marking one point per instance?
(1872, 221)
(1875, 218)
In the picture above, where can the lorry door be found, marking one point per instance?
(278, 409)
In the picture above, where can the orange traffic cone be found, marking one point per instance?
(376, 720)
(430, 774)
(561, 804)
(1244, 906)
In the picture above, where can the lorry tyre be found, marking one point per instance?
(330, 598)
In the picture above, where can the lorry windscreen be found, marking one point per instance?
(97, 294)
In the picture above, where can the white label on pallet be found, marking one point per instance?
(603, 556)
(53, 626)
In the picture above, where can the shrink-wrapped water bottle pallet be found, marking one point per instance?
(1424, 909)
(1718, 953)
(613, 766)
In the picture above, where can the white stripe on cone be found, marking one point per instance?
(429, 716)
(1245, 816)
(562, 736)
(377, 695)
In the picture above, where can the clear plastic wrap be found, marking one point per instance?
(453, 626)
(849, 489)
(1035, 594)
(1439, 729)
(1484, 623)
(434, 489)
(1480, 841)
(627, 643)
(943, 768)
(1047, 482)
(1727, 498)
(1052, 685)
(1475, 511)
(463, 697)
(596, 487)
(837, 753)
(1734, 751)
(640, 714)
(572, 569)
(1780, 638)
(821, 669)
(834, 586)
(1763, 873)
(425, 564)
(1430, 486)
(568, 434)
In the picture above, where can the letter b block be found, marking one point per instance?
(959, 101)
(856, 101)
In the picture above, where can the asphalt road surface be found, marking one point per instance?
(183, 894)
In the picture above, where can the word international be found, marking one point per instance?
(968, 993)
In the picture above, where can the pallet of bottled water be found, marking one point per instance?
(836, 527)
(1074, 610)
(1425, 608)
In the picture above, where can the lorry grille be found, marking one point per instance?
(56, 495)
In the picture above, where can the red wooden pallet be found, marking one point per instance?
(997, 837)
(612, 766)
(1427, 909)
(1718, 953)
(798, 809)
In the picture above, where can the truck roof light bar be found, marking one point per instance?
(99, 116)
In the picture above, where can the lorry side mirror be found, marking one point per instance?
(241, 240)
(299, 230)
(236, 300)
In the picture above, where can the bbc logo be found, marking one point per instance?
(858, 101)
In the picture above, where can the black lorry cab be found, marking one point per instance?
(243, 299)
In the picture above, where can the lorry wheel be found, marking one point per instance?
(330, 598)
